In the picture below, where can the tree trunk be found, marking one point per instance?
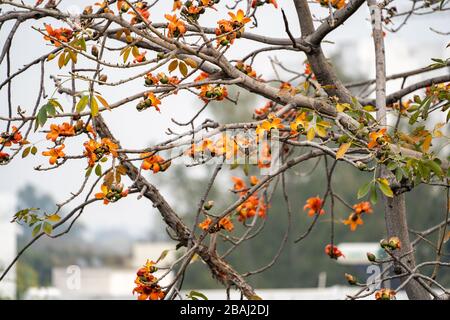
(397, 226)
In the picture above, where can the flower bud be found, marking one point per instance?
(94, 51)
(208, 205)
(394, 243)
(350, 279)
(371, 257)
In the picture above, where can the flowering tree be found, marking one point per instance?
(312, 115)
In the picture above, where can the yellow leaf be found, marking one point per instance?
(173, 65)
(62, 58)
(94, 107)
(51, 56)
(343, 150)
(190, 62)
(53, 218)
(135, 51)
(340, 107)
(321, 131)
(121, 170)
(73, 56)
(311, 134)
(427, 143)
(109, 179)
(103, 102)
(126, 54)
(183, 69)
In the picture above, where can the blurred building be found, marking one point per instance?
(109, 282)
(8, 247)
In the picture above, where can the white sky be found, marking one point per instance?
(410, 48)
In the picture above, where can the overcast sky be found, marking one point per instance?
(410, 48)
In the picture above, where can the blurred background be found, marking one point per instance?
(98, 258)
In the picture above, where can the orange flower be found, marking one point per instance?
(248, 70)
(4, 157)
(300, 124)
(154, 162)
(140, 57)
(287, 88)
(95, 151)
(337, 4)
(176, 5)
(264, 156)
(239, 18)
(256, 3)
(147, 284)
(362, 207)
(15, 137)
(176, 26)
(262, 208)
(205, 224)
(314, 205)
(63, 130)
(333, 252)
(272, 122)
(353, 221)
(225, 223)
(202, 76)
(264, 110)
(150, 79)
(239, 184)
(61, 34)
(228, 30)
(254, 180)
(308, 71)
(226, 146)
(377, 138)
(54, 154)
(385, 294)
(112, 194)
(209, 92)
(142, 8)
(149, 101)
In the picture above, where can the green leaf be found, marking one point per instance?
(47, 227)
(194, 294)
(55, 103)
(383, 184)
(392, 166)
(36, 229)
(364, 190)
(373, 194)
(41, 117)
(435, 167)
(82, 103)
(398, 174)
(26, 152)
(51, 110)
(246, 168)
(33, 150)
(98, 170)
(88, 172)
